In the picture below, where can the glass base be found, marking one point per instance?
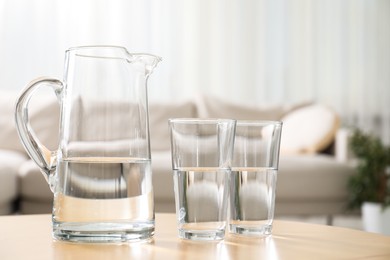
(263, 230)
(204, 235)
(103, 232)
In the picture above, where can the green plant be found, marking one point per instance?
(371, 181)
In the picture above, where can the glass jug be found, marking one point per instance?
(101, 173)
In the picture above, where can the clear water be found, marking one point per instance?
(252, 200)
(201, 202)
(103, 200)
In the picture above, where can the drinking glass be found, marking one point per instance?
(254, 174)
(202, 151)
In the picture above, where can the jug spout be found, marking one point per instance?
(149, 61)
(145, 60)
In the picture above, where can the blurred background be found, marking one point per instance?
(255, 52)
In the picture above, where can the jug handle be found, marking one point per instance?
(42, 156)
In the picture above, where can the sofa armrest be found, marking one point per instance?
(342, 150)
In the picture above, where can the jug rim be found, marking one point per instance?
(121, 48)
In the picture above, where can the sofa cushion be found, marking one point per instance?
(8, 135)
(314, 178)
(44, 119)
(211, 107)
(308, 129)
(162, 176)
(9, 165)
(33, 186)
(159, 113)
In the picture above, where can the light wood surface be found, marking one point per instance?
(29, 237)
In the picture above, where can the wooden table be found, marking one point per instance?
(29, 237)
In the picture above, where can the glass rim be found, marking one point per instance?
(258, 122)
(200, 120)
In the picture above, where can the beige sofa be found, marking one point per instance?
(311, 180)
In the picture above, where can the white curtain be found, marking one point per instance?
(257, 52)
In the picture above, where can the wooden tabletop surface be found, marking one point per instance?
(29, 237)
